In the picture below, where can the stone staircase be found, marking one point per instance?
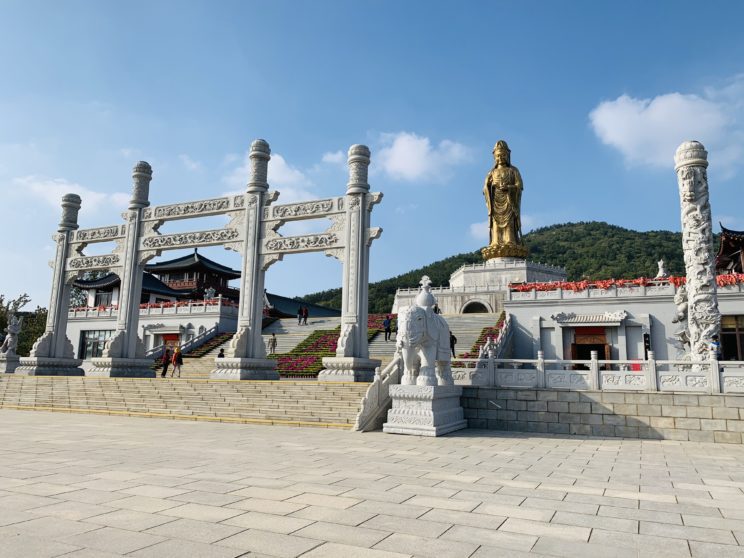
(300, 403)
(380, 349)
(289, 334)
(467, 328)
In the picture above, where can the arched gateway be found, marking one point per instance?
(252, 232)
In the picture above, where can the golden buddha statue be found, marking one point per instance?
(503, 192)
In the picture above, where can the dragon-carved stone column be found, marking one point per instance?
(246, 355)
(703, 317)
(52, 353)
(352, 362)
(124, 354)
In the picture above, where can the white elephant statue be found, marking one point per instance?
(423, 339)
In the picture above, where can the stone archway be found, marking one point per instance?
(475, 307)
(253, 231)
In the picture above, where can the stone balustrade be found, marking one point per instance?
(710, 376)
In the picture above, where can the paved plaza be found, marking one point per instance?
(87, 486)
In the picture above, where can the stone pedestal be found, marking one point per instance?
(348, 369)
(244, 369)
(122, 368)
(425, 410)
(49, 366)
(8, 364)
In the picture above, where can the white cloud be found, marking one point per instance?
(648, 131)
(334, 157)
(292, 183)
(129, 152)
(51, 190)
(408, 157)
(190, 164)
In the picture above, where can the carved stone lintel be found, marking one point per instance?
(93, 262)
(100, 234)
(304, 243)
(303, 210)
(425, 410)
(189, 240)
(189, 209)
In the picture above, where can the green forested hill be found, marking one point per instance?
(591, 250)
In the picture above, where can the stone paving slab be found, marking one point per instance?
(84, 486)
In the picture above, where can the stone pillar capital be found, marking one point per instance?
(70, 208)
(690, 154)
(358, 161)
(259, 157)
(141, 177)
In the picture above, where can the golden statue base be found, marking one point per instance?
(504, 251)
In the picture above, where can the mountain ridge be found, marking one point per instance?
(587, 249)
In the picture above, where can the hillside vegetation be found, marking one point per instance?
(592, 250)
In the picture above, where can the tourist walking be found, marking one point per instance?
(272, 344)
(300, 313)
(177, 361)
(305, 314)
(221, 354)
(165, 362)
(453, 342)
(387, 324)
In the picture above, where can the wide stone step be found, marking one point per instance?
(283, 402)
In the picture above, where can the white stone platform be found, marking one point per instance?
(483, 284)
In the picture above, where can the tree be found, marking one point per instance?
(34, 324)
(10, 306)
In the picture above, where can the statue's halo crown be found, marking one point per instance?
(501, 145)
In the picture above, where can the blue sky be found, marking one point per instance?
(592, 97)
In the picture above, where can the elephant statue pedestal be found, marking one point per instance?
(425, 410)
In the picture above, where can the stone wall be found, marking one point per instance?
(667, 416)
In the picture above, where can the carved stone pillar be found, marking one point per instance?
(124, 353)
(352, 362)
(246, 355)
(703, 317)
(52, 353)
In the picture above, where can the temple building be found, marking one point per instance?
(186, 299)
(730, 257)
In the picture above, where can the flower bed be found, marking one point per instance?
(306, 359)
(576, 286)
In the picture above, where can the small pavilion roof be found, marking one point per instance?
(150, 284)
(192, 261)
(730, 250)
